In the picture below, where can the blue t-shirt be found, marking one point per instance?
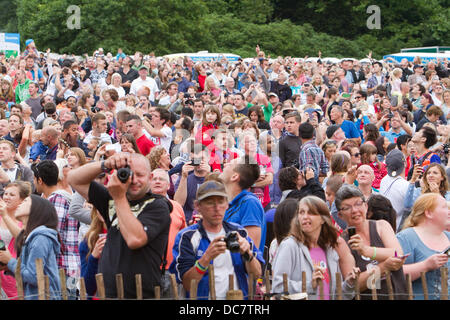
(411, 243)
(392, 136)
(350, 130)
(246, 210)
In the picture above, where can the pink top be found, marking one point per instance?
(8, 281)
(319, 259)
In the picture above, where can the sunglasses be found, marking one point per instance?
(356, 154)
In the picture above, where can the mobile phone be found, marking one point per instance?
(2, 248)
(404, 256)
(346, 95)
(446, 251)
(195, 162)
(351, 231)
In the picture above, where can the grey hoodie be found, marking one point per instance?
(41, 243)
(292, 258)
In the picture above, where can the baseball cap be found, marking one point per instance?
(332, 129)
(272, 94)
(211, 188)
(143, 67)
(395, 162)
(28, 42)
(417, 66)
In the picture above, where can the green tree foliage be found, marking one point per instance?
(337, 28)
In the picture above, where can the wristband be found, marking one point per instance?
(374, 253)
(200, 269)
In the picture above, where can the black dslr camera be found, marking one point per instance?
(231, 239)
(124, 173)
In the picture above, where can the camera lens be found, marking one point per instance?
(123, 174)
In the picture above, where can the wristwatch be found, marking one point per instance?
(104, 168)
(248, 256)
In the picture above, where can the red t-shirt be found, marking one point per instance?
(144, 144)
(204, 135)
(218, 158)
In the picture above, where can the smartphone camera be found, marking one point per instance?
(351, 231)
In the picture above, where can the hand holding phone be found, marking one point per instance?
(446, 251)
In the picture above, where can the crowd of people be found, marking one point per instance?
(136, 164)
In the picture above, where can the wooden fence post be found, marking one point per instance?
(62, 279)
(268, 287)
(47, 287)
(389, 285)
(193, 289)
(100, 286)
(157, 292)
(320, 282)
(339, 285)
(304, 281)
(251, 288)
(444, 283)
(285, 283)
(40, 279)
(119, 286)
(173, 283)
(374, 285)
(19, 281)
(212, 284)
(423, 278)
(357, 288)
(230, 282)
(409, 287)
(83, 294)
(139, 294)
(233, 294)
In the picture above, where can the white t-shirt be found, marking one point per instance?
(395, 190)
(104, 137)
(223, 267)
(148, 82)
(164, 141)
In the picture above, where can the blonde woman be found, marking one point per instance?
(396, 80)
(116, 80)
(425, 239)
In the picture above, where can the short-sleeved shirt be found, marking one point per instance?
(153, 212)
(246, 210)
(411, 243)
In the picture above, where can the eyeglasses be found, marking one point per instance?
(357, 205)
(356, 154)
(358, 97)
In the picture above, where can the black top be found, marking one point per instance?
(289, 149)
(312, 188)
(153, 211)
(397, 277)
(130, 76)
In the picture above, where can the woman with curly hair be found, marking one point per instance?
(160, 159)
